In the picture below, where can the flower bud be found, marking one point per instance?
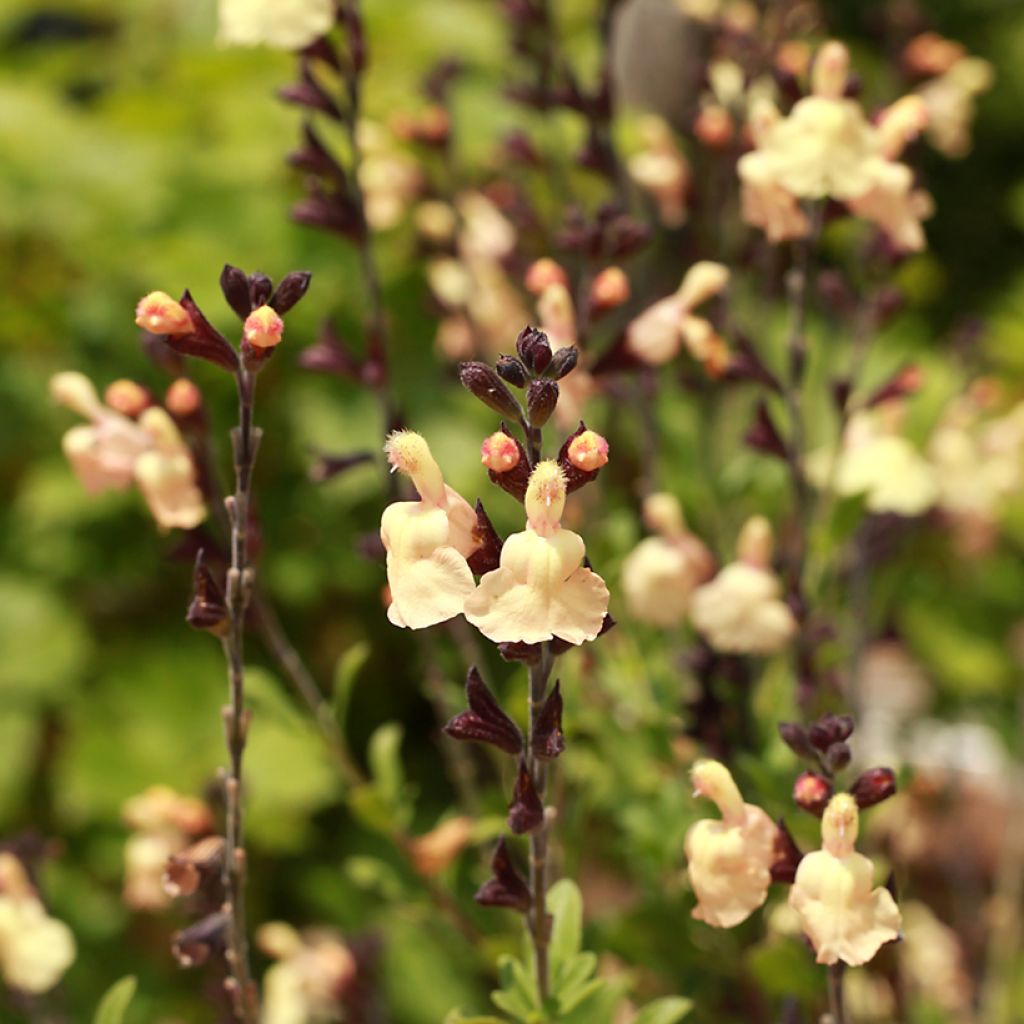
(533, 349)
(873, 786)
(547, 740)
(542, 273)
(563, 362)
(662, 514)
(714, 126)
(484, 721)
(830, 729)
(197, 944)
(158, 313)
(787, 855)
(486, 556)
(193, 867)
(526, 812)
(207, 609)
(235, 285)
(484, 383)
(510, 369)
(435, 851)
(290, 290)
(75, 391)
(609, 290)
(499, 452)
(126, 397)
(837, 757)
(506, 888)
(703, 281)
(795, 737)
(541, 399)
(588, 451)
(183, 399)
(263, 328)
(812, 792)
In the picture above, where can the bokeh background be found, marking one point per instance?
(136, 154)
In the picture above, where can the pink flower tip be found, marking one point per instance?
(158, 313)
(499, 453)
(263, 328)
(588, 451)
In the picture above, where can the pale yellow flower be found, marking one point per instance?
(741, 610)
(389, 179)
(540, 589)
(842, 915)
(113, 451)
(427, 541)
(284, 24)
(729, 861)
(658, 333)
(951, 99)
(35, 949)
(661, 573)
(661, 170)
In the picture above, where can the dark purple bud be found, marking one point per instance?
(841, 389)
(327, 467)
(485, 722)
(200, 942)
(837, 757)
(873, 786)
(510, 369)
(763, 436)
(526, 812)
(323, 49)
(260, 288)
(328, 354)
(812, 792)
(533, 349)
(547, 741)
(235, 286)
(331, 212)
(541, 399)
(830, 729)
(787, 855)
(207, 609)
(506, 888)
(902, 383)
(291, 289)
(196, 867)
(307, 92)
(563, 362)
(481, 380)
(746, 365)
(487, 555)
(314, 157)
(795, 737)
(205, 341)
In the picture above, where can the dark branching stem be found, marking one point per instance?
(245, 442)
(835, 994)
(540, 674)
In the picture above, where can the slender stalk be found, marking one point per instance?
(835, 994)
(245, 439)
(540, 673)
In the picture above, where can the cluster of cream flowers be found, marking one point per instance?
(35, 949)
(114, 450)
(540, 590)
(284, 24)
(730, 868)
(826, 148)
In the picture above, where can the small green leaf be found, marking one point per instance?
(565, 904)
(572, 977)
(384, 756)
(114, 1003)
(346, 671)
(517, 995)
(455, 1017)
(664, 1011)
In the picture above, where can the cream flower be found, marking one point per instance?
(740, 611)
(950, 99)
(661, 170)
(35, 949)
(284, 24)
(842, 915)
(113, 450)
(540, 589)
(661, 573)
(729, 861)
(657, 334)
(427, 541)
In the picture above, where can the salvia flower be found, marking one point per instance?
(112, 451)
(729, 861)
(158, 313)
(661, 170)
(541, 590)
(263, 328)
(283, 24)
(427, 541)
(741, 611)
(658, 333)
(661, 573)
(842, 915)
(35, 948)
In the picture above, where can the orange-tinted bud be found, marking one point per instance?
(793, 58)
(499, 453)
(542, 273)
(126, 397)
(812, 792)
(263, 328)
(609, 289)
(183, 398)
(930, 54)
(158, 313)
(588, 451)
(714, 127)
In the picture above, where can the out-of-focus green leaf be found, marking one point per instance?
(346, 672)
(114, 1004)
(664, 1011)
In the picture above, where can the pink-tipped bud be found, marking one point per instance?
(609, 289)
(812, 793)
(588, 451)
(543, 273)
(263, 328)
(126, 397)
(714, 127)
(158, 313)
(183, 399)
(499, 453)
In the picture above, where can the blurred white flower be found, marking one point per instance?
(283, 24)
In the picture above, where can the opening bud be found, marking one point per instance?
(158, 313)
(812, 792)
(588, 451)
(263, 328)
(542, 273)
(499, 452)
(533, 349)
(126, 397)
(183, 399)
(873, 786)
(609, 290)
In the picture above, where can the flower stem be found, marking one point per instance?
(245, 439)
(835, 993)
(540, 673)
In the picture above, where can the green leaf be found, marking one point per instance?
(346, 672)
(664, 1011)
(455, 1017)
(114, 1003)
(572, 978)
(517, 995)
(565, 904)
